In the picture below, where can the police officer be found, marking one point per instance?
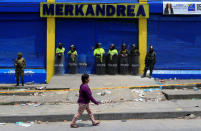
(150, 61)
(112, 59)
(124, 59)
(134, 60)
(19, 64)
(60, 50)
(59, 61)
(134, 51)
(72, 59)
(99, 56)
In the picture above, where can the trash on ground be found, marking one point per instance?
(190, 116)
(2, 123)
(41, 88)
(99, 93)
(20, 89)
(107, 92)
(106, 101)
(103, 94)
(196, 106)
(179, 109)
(23, 104)
(151, 89)
(195, 88)
(123, 120)
(23, 124)
(36, 105)
(30, 83)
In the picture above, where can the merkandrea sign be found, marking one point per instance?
(91, 10)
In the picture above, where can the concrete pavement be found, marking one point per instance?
(109, 111)
(129, 125)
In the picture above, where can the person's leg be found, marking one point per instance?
(145, 70)
(81, 109)
(91, 116)
(22, 77)
(151, 70)
(17, 77)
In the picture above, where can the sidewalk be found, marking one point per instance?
(109, 111)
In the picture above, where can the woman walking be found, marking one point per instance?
(85, 96)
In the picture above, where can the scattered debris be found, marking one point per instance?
(195, 88)
(190, 116)
(179, 109)
(108, 92)
(99, 93)
(104, 93)
(140, 99)
(30, 83)
(106, 101)
(121, 99)
(151, 89)
(40, 88)
(196, 106)
(123, 120)
(23, 124)
(2, 123)
(20, 89)
(36, 105)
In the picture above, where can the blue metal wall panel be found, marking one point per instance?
(176, 41)
(7, 76)
(84, 33)
(24, 33)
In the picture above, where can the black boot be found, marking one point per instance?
(17, 84)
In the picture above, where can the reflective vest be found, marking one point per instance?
(72, 54)
(112, 52)
(58, 50)
(99, 51)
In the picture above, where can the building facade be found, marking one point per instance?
(175, 37)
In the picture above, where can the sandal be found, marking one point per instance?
(74, 126)
(96, 123)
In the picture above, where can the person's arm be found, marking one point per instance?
(146, 59)
(24, 63)
(154, 57)
(57, 51)
(89, 94)
(116, 52)
(15, 63)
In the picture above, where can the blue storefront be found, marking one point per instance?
(175, 38)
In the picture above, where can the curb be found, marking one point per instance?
(171, 86)
(104, 116)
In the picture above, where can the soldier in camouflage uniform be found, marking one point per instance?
(19, 64)
(150, 61)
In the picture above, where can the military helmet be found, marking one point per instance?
(123, 45)
(72, 46)
(19, 54)
(133, 45)
(60, 44)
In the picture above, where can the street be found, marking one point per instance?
(118, 125)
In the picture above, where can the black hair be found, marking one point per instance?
(84, 77)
